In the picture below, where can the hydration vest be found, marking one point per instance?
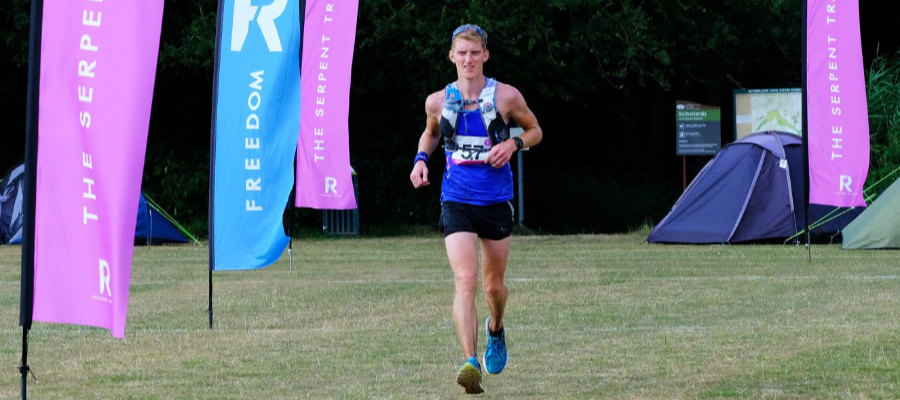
(471, 149)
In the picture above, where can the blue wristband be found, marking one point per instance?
(421, 156)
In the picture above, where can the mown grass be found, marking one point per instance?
(590, 317)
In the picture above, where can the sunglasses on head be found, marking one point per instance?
(469, 27)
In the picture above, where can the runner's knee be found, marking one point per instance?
(466, 281)
(493, 288)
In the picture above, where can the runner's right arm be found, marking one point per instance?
(430, 138)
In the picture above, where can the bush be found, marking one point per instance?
(883, 90)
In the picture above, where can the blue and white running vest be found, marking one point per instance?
(468, 138)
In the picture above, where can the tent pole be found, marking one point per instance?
(149, 218)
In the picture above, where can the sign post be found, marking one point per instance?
(698, 132)
(520, 169)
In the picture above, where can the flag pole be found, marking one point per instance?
(212, 159)
(290, 249)
(293, 195)
(209, 310)
(286, 220)
(805, 130)
(26, 305)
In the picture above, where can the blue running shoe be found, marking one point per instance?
(495, 352)
(469, 376)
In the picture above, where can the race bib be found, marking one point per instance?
(471, 149)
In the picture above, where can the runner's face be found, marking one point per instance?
(469, 58)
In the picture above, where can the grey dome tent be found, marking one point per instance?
(751, 191)
(878, 227)
(11, 205)
(153, 225)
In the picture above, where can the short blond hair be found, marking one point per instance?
(469, 32)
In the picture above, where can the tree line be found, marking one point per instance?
(602, 76)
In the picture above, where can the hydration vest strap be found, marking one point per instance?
(453, 104)
(487, 102)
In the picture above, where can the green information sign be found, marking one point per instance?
(698, 129)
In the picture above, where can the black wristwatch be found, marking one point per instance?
(519, 143)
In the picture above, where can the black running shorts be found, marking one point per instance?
(493, 222)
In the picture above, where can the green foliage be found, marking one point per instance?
(14, 40)
(883, 92)
(601, 76)
(183, 181)
(585, 47)
(617, 203)
(188, 37)
(599, 71)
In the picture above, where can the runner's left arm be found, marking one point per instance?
(518, 110)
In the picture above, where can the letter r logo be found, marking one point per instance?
(244, 13)
(845, 184)
(330, 185)
(104, 277)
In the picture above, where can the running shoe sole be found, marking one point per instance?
(470, 379)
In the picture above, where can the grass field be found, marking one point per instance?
(589, 317)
